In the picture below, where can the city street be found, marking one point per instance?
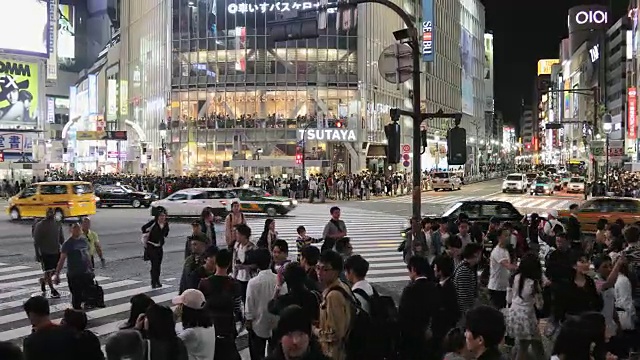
(374, 227)
(435, 203)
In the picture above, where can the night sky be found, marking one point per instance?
(525, 31)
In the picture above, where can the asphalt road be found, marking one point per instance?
(374, 226)
(435, 203)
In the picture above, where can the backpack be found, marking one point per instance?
(359, 341)
(385, 324)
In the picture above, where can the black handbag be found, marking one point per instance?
(94, 295)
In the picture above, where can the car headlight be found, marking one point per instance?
(286, 203)
(147, 196)
(294, 202)
(97, 199)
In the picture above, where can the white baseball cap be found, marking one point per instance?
(191, 298)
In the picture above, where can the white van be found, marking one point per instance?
(515, 182)
(446, 181)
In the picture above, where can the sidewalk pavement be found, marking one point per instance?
(374, 197)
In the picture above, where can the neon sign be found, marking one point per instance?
(591, 17)
(263, 8)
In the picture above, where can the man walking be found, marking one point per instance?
(47, 238)
(75, 252)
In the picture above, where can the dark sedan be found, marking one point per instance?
(115, 195)
(481, 212)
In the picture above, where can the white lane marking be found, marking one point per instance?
(23, 331)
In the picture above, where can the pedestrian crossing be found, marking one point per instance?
(374, 235)
(519, 201)
(19, 282)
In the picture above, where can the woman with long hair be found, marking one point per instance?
(159, 329)
(235, 217)
(139, 304)
(269, 235)
(198, 334)
(522, 323)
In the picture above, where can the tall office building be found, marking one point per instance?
(231, 99)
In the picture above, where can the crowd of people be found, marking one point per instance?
(473, 293)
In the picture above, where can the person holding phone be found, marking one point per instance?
(157, 231)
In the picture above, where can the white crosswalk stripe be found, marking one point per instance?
(527, 202)
(374, 235)
(14, 325)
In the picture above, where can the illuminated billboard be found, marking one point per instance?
(18, 93)
(66, 32)
(488, 72)
(25, 27)
(544, 66)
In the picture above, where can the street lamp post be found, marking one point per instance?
(162, 128)
(607, 127)
(303, 145)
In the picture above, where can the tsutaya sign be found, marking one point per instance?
(278, 7)
(341, 135)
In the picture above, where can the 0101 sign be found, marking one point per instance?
(597, 17)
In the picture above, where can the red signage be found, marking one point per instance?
(632, 117)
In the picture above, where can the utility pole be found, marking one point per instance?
(307, 26)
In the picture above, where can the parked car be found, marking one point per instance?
(515, 182)
(446, 181)
(111, 195)
(191, 202)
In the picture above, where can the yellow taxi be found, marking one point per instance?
(609, 208)
(66, 198)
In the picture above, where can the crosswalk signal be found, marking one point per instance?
(392, 131)
(457, 146)
(298, 156)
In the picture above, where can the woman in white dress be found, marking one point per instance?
(522, 324)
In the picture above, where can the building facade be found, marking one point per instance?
(615, 59)
(231, 99)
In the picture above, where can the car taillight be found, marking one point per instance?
(224, 203)
(267, 194)
(69, 203)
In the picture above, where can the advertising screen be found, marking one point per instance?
(632, 124)
(66, 32)
(25, 27)
(466, 56)
(18, 93)
(544, 66)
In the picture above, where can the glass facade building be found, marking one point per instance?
(233, 99)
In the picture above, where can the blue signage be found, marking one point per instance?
(428, 36)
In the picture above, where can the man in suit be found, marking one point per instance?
(447, 313)
(417, 305)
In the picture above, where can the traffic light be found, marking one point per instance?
(298, 156)
(457, 146)
(392, 131)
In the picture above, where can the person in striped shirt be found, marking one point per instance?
(465, 277)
